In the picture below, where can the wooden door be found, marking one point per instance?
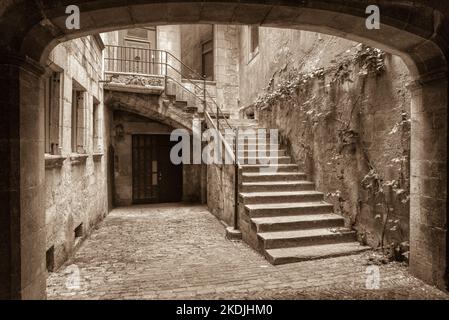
(155, 178)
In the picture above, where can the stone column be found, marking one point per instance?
(22, 215)
(169, 39)
(428, 198)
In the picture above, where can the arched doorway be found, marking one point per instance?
(416, 33)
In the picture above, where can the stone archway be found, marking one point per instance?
(30, 29)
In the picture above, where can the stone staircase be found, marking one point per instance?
(290, 219)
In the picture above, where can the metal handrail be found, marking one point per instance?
(203, 78)
(160, 62)
(183, 64)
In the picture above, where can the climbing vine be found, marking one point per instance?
(383, 194)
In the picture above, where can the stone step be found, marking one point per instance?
(289, 239)
(264, 152)
(280, 176)
(276, 185)
(298, 254)
(283, 209)
(269, 167)
(278, 197)
(255, 139)
(266, 161)
(243, 121)
(191, 109)
(286, 223)
(181, 104)
(222, 116)
(259, 146)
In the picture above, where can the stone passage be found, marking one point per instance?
(180, 252)
(289, 218)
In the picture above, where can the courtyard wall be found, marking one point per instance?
(76, 182)
(343, 112)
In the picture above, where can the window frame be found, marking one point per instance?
(53, 100)
(203, 54)
(96, 126)
(253, 52)
(77, 93)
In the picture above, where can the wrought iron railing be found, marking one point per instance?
(144, 61)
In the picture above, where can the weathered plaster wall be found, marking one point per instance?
(343, 111)
(220, 192)
(282, 51)
(169, 39)
(226, 60)
(76, 191)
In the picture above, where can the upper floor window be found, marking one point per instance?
(96, 126)
(141, 33)
(207, 48)
(253, 41)
(52, 103)
(78, 119)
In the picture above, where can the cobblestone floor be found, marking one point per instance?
(180, 252)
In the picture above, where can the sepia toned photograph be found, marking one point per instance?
(237, 151)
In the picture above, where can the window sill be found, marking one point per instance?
(97, 156)
(54, 161)
(77, 159)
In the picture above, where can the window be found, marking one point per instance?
(79, 231)
(50, 258)
(78, 120)
(147, 34)
(96, 142)
(52, 102)
(208, 59)
(253, 41)
(139, 57)
(137, 33)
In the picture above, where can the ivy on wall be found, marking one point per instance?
(296, 91)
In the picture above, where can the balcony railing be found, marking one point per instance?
(135, 60)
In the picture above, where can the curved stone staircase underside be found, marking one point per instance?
(163, 108)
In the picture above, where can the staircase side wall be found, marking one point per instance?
(220, 192)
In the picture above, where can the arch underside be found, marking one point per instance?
(144, 106)
(419, 33)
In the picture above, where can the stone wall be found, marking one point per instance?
(282, 51)
(226, 61)
(343, 112)
(76, 187)
(220, 192)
